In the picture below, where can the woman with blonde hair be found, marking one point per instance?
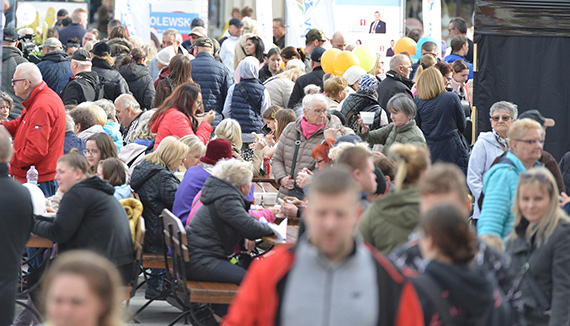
(539, 245)
(82, 288)
(441, 118)
(390, 219)
(154, 180)
(335, 91)
(281, 85)
(230, 130)
(195, 150)
(426, 61)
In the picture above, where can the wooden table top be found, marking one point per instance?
(292, 233)
(35, 241)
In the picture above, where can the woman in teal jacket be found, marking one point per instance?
(526, 138)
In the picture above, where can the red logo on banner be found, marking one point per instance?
(363, 22)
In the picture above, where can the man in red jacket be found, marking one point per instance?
(39, 132)
(330, 277)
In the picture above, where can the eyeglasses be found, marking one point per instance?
(407, 67)
(504, 118)
(17, 80)
(320, 111)
(199, 103)
(90, 152)
(531, 141)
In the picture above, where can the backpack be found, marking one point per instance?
(106, 89)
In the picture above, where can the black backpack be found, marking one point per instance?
(106, 89)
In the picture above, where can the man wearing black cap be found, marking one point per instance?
(213, 77)
(62, 19)
(228, 46)
(11, 57)
(82, 86)
(315, 77)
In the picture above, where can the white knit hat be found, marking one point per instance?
(164, 56)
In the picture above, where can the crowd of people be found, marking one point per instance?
(405, 219)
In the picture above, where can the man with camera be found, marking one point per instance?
(11, 57)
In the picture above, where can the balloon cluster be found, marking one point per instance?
(335, 61)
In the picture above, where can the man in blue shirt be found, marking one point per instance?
(459, 49)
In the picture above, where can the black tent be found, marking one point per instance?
(523, 51)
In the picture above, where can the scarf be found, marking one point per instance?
(309, 129)
(502, 141)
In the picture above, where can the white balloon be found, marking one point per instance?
(25, 14)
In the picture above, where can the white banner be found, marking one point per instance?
(134, 15)
(432, 20)
(301, 16)
(264, 15)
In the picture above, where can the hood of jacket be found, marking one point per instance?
(489, 138)
(10, 52)
(89, 76)
(97, 184)
(215, 188)
(470, 290)
(133, 72)
(143, 172)
(119, 45)
(403, 207)
(98, 62)
(249, 68)
(396, 76)
(57, 56)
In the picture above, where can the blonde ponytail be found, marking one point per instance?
(411, 161)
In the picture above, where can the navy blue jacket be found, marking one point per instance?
(442, 120)
(71, 141)
(214, 79)
(249, 118)
(71, 31)
(53, 66)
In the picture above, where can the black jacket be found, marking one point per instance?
(81, 88)
(89, 217)
(315, 77)
(53, 66)
(156, 186)
(11, 58)
(114, 83)
(472, 293)
(357, 102)
(393, 84)
(204, 243)
(549, 265)
(265, 74)
(140, 83)
(16, 218)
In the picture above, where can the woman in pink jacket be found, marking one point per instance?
(177, 115)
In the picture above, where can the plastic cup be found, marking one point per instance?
(257, 197)
(367, 117)
(270, 198)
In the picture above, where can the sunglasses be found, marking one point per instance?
(504, 118)
(537, 176)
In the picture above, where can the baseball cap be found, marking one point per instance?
(236, 22)
(200, 31)
(10, 34)
(197, 22)
(315, 34)
(81, 55)
(538, 117)
(62, 12)
(101, 49)
(52, 43)
(204, 42)
(317, 54)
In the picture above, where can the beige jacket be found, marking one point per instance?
(279, 90)
(283, 157)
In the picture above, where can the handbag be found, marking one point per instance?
(296, 191)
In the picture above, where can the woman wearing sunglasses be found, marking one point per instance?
(526, 138)
(488, 147)
(539, 245)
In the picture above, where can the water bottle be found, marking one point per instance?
(32, 175)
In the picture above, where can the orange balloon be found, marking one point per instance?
(405, 44)
(343, 61)
(327, 60)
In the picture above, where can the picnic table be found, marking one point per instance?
(292, 234)
(35, 241)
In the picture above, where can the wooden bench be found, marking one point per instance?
(193, 292)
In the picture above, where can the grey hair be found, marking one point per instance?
(31, 72)
(402, 103)
(83, 64)
(108, 107)
(69, 123)
(127, 101)
(508, 107)
(311, 89)
(309, 100)
(233, 171)
(397, 60)
(171, 31)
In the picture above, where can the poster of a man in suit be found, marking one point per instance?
(377, 26)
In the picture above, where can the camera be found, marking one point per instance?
(28, 45)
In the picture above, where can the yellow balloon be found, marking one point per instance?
(405, 44)
(327, 60)
(366, 57)
(343, 61)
